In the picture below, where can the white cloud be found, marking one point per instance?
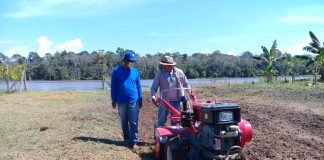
(44, 46)
(47, 46)
(296, 49)
(37, 8)
(169, 50)
(72, 45)
(22, 50)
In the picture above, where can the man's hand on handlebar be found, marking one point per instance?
(155, 101)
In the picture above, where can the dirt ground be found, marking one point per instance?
(287, 123)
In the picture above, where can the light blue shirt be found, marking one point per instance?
(166, 81)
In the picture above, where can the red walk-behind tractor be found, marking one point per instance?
(202, 130)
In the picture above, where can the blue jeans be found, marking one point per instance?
(128, 114)
(163, 113)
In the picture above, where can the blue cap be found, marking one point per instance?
(130, 55)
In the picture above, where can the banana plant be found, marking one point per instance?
(269, 58)
(312, 64)
(291, 67)
(316, 48)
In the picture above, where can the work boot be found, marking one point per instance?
(135, 147)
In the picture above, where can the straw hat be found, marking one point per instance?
(167, 60)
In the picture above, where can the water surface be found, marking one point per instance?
(93, 85)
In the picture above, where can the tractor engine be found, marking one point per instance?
(220, 133)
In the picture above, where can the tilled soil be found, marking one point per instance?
(284, 126)
(281, 133)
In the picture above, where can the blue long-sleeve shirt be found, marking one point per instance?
(126, 85)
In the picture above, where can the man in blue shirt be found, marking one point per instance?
(126, 91)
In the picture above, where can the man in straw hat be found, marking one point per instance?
(168, 78)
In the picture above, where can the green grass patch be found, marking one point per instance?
(2, 93)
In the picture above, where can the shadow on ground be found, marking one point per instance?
(100, 140)
(147, 155)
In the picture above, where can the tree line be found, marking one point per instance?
(93, 66)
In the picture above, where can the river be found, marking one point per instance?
(93, 85)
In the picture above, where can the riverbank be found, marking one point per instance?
(288, 121)
(64, 85)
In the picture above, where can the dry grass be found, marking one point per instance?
(60, 125)
(83, 125)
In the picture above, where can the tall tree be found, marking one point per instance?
(269, 57)
(316, 48)
(3, 58)
(121, 53)
(33, 57)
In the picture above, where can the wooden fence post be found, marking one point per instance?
(25, 87)
(7, 79)
(103, 83)
(107, 80)
(22, 80)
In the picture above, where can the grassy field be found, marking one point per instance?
(76, 124)
(288, 121)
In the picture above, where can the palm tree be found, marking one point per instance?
(316, 48)
(269, 58)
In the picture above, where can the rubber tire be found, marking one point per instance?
(173, 150)
(161, 151)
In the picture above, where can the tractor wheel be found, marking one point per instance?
(240, 157)
(168, 153)
(237, 157)
(159, 148)
(174, 149)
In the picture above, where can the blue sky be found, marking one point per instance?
(151, 26)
